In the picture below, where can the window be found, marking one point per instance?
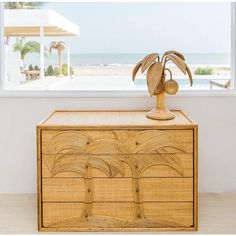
(94, 46)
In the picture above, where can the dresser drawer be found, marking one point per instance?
(117, 142)
(118, 215)
(119, 166)
(116, 189)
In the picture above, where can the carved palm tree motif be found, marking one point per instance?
(128, 147)
(83, 166)
(146, 142)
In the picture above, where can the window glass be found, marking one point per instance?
(100, 43)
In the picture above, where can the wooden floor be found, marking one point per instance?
(217, 213)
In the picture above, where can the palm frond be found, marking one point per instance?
(148, 60)
(99, 163)
(25, 48)
(115, 165)
(177, 61)
(59, 46)
(189, 75)
(154, 75)
(161, 159)
(173, 52)
(135, 70)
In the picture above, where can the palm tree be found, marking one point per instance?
(23, 5)
(59, 46)
(25, 48)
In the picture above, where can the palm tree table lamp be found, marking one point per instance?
(156, 80)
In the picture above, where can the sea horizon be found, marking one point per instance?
(126, 59)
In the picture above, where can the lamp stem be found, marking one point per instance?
(160, 112)
(161, 101)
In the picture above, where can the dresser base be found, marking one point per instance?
(118, 229)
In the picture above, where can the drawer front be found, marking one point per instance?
(116, 189)
(117, 179)
(117, 142)
(118, 166)
(117, 215)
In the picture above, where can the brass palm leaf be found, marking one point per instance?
(148, 60)
(154, 75)
(189, 75)
(135, 70)
(177, 61)
(174, 52)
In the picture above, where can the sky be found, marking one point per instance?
(146, 27)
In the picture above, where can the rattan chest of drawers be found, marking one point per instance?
(116, 171)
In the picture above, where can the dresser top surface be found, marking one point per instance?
(114, 119)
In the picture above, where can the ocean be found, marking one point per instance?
(77, 59)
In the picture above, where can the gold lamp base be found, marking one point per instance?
(160, 112)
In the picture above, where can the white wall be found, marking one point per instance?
(216, 117)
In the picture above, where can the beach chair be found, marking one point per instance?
(220, 83)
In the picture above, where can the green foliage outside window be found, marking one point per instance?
(203, 71)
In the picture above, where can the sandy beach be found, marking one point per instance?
(127, 70)
(113, 77)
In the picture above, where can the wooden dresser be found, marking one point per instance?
(116, 171)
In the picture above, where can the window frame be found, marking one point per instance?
(116, 93)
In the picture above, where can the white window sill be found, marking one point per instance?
(110, 94)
